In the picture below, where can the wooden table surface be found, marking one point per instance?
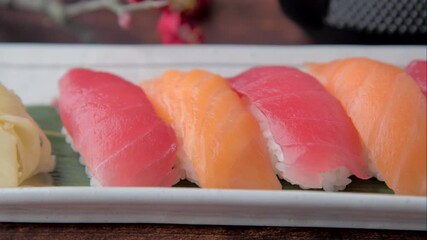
(156, 231)
(233, 22)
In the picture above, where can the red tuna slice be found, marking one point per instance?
(312, 141)
(417, 69)
(116, 130)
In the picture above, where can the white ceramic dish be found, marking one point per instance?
(222, 207)
(33, 70)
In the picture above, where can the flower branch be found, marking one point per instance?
(177, 22)
(61, 12)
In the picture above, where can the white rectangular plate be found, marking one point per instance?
(32, 71)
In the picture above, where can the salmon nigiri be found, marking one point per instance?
(220, 143)
(116, 130)
(417, 69)
(312, 140)
(389, 111)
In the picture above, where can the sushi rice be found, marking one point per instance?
(334, 180)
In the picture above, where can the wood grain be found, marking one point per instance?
(155, 231)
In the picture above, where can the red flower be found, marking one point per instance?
(176, 24)
(175, 28)
(125, 20)
(198, 10)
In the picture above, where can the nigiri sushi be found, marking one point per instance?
(24, 149)
(417, 69)
(220, 143)
(116, 130)
(312, 141)
(389, 111)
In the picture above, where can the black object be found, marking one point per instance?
(307, 13)
(361, 21)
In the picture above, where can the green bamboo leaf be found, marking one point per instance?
(357, 185)
(368, 186)
(185, 184)
(68, 170)
(47, 117)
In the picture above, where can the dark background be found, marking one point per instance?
(226, 22)
(232, 22)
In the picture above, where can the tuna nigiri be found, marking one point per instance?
(116, 130)
(389, 111)
(417, 69)
(312, 140)
(24, 149)
(220, 143)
